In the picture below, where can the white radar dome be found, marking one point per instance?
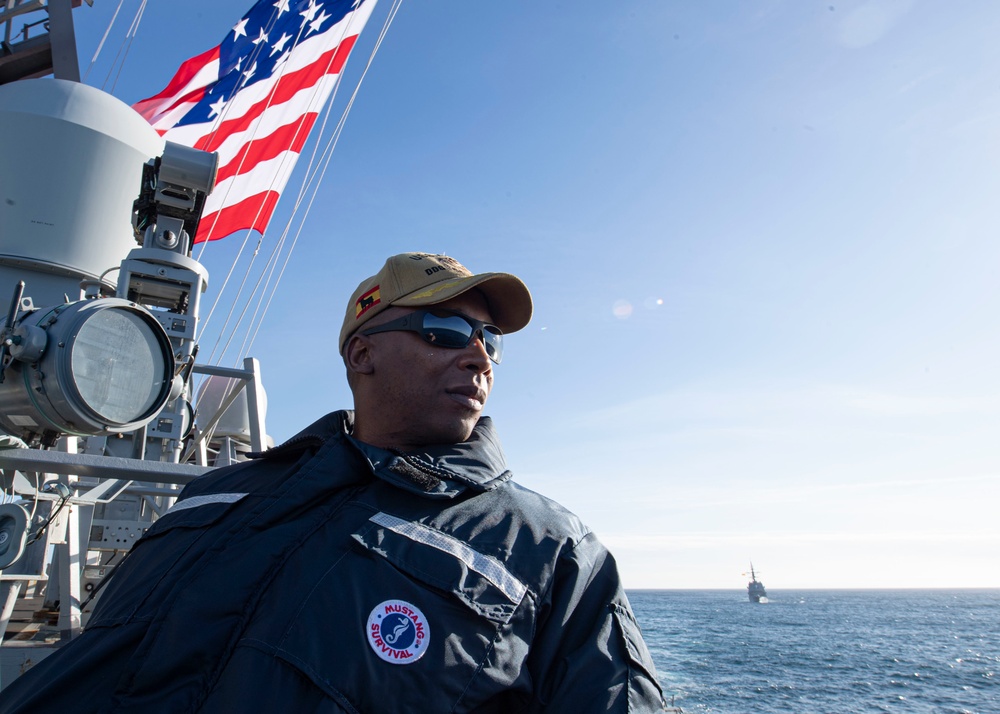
(69, 171)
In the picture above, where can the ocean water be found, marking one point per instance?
(825, 652)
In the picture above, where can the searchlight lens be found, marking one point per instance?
(100, 366)
(118, 365)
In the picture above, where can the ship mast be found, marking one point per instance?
(38, 40)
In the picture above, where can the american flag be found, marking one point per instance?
(254, 99)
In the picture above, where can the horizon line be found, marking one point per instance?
(941, 588)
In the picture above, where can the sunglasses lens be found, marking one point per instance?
(455, 332)
(446, 331)
(493, 339)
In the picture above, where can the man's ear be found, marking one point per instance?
(358, 354)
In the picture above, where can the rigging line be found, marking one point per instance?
(270, 98)
(128, 47)
(316, 92)
(121, 48)
(271, 288)
(218, 123)
(275, 255)
(328, 153)
(303, 188)
(232, 269)
(48, 521)
(273, 259)
(100, 45)
(310, 171)
(233, 265)
(246, 239)
(251, 60)
(272, 262)
(290, 158)
(259, 319)
(302, 192)
(258, 316)
(265, 277)
(270, 265)
(207, 436)
(378, 43)
(267, 273)
(232, 307)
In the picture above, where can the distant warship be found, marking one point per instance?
(755, 588)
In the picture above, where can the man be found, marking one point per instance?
(379, 561)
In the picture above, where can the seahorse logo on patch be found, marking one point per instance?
(398, 632)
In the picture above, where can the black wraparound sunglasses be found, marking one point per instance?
(444, 328)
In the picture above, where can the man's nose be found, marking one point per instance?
(475, 353)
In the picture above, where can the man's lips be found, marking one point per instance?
(471, 396)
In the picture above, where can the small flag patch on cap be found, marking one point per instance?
(367, 301)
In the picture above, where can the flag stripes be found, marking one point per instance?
(254, 99)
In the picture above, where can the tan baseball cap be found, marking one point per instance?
(415, 279)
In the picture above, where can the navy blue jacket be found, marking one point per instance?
(332, 576)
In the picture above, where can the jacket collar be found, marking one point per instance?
(438, 471)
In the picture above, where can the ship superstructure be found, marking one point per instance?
(101, 417)
(755, 588)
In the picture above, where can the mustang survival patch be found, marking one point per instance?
(398, 632)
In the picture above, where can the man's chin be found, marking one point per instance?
(454, 433)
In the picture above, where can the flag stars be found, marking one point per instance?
(309, 14)
(240, 29)
(314, 25)
(250, 72)
(282, 6)
(261, 38)
(279, 46)
(217, 107)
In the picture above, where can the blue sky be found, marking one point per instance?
(762, 241)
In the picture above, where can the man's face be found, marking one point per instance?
(424, 394)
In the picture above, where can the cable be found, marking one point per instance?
(314, 172)
(128, 48)
(253, 135)
(123, 50)
(258, 48)
(328, 156)
(63, 500)
(100, 45)
(105, 579)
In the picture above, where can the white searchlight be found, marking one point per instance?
(94, 367)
